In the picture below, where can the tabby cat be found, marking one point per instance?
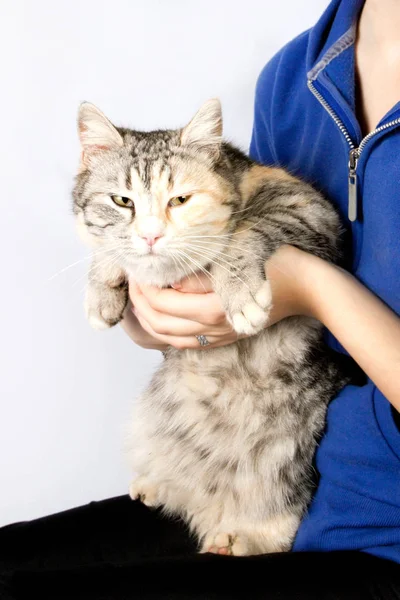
(224, 437)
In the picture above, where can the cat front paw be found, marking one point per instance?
(248, 311)
(105, 306)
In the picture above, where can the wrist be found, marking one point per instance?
(309, 273)
(321, 281)
(293, 274)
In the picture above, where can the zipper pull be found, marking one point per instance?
(352, 203)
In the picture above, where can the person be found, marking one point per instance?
(327, 109)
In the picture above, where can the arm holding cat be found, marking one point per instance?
(301, 284)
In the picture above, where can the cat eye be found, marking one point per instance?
(122, 200)
(178, 200)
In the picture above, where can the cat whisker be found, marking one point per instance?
(174, 258)
(211, 254)
(211, 259)
(199, 280)
(69, 267)
(235, 212)
(115, 256)
(235, 232)
(310, 247)
(83, 259)
(182, 260)
(182, 265)
(222, 267)
(198, 265)
(241, 248)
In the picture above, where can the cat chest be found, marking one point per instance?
(220, 408)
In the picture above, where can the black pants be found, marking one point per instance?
(119, 549)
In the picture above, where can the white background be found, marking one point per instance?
(66, 391)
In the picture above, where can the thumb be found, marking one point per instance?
(195, 284)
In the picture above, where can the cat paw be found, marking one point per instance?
(145, 491)
(228, 544)
(105, 306)
(96, 321)
(249, 315)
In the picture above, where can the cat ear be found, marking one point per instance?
(205, 129)
(96, 132)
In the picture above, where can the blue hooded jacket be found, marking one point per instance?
(305, 121)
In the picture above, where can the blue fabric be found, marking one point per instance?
(357, 503)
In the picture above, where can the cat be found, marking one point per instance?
(223, 437)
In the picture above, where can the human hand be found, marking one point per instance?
(173, 317)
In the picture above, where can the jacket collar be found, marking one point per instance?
(331, 60)
(334, 32)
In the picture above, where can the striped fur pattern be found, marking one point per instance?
(223, 437)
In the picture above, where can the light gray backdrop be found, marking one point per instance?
(65, 390)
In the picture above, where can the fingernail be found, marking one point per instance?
(177, 286)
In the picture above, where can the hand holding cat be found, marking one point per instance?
(173, 317)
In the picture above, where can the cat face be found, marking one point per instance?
(155, 202)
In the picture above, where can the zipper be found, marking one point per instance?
(354, 153)
(352, 193)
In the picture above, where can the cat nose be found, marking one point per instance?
(151, 239)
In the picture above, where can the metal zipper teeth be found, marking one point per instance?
(365, 140)
(332, 113)
(342, 128)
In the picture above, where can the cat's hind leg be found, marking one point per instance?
(224, 543)
(146, 491)
(275, 534)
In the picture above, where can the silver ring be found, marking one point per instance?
(203, 341)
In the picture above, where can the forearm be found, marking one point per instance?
(301, 284)
(364, 325)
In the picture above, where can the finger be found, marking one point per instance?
(202, 308)
(165, 324)
(136, 332)
(200, 283)
(189, 342)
